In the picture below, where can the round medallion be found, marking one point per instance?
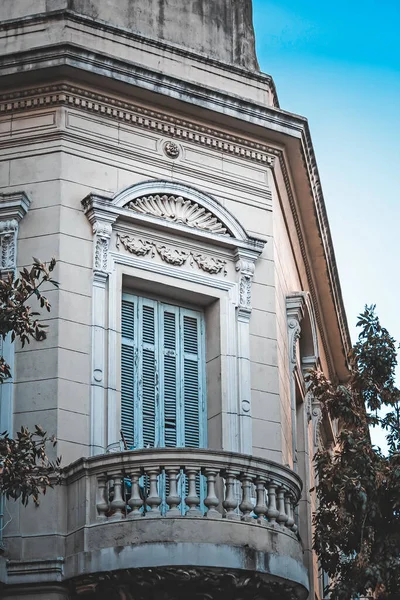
(171, 149)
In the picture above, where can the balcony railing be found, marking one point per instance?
(190, 483)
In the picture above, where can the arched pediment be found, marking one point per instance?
(180, 204)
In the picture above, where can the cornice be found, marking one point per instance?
(212, 138)
(123, 32)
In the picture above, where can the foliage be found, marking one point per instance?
(25, 469)
(357, 522)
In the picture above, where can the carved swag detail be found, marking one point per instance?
(172, 256)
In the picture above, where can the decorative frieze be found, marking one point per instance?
(209, 264)
(67, 95)
(135, 246)
(172, 256)
(177, 209)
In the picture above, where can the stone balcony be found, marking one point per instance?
(187, 519)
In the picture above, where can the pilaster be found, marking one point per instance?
(102, 229)
(245, 267)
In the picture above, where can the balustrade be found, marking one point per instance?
(179, 483)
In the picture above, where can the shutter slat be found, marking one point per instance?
(191, 379)
(149, 375)
(127, 371)
(170, 383)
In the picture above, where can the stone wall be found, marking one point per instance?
(220, 29)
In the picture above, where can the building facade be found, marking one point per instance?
(144, 150)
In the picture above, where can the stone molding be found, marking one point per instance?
(35, 571)
(138, 116)
(161, 240)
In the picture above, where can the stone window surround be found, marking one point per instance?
(226, 297)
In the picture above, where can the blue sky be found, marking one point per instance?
(338, 64)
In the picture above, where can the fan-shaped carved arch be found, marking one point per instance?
(181, 204)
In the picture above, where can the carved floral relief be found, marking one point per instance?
(172, 256)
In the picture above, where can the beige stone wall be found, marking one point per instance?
(100, 155)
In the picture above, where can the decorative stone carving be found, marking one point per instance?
(8, 241)
(295, 312)
(246, 268)
(134, 246)
(316, 416)
(171, 149)
(172, 256)
(176, 209)
(209, 263)
(102, 232)
(180, 584)
(294, 330)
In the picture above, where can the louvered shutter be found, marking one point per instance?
(192, 361)
(149, 379)
(128, 396)
(163, 366)
(169, 375)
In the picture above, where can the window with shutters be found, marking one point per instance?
(163, 400)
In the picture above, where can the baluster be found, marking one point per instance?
(153, 500)
(273, 512)
(102, 499)
(260, 508)
(192, 500)
(294, 527)
(173, 499)
(212, 500)
(230, 503)
(117, 504)
(288, 507)
(282, 517)
(135, 501)
(246, 505)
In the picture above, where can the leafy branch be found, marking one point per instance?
(25, 469)
(357, 522)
